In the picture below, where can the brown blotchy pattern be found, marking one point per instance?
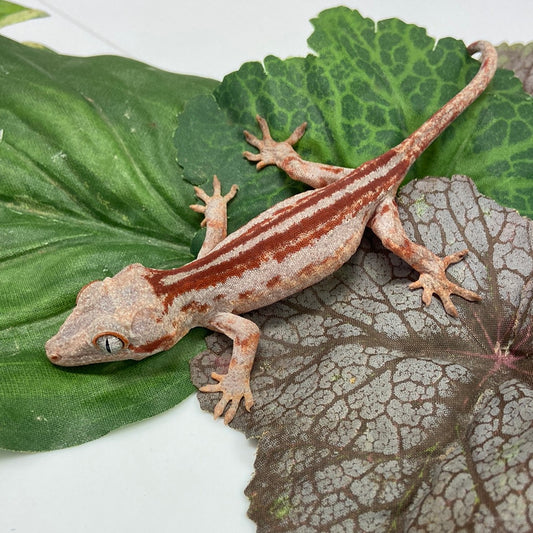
(375, 413)
(163, 343)
(518, 58)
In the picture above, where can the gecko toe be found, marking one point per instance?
(234, 387)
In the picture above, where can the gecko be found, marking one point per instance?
(292, 245)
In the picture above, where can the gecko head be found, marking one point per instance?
(114, 319)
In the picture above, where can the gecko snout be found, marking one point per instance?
(51, 352)
(53, 356)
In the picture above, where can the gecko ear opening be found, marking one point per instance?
(150, 323)
(144, 321)
(152, 330)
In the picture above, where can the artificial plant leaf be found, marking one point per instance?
(89, 184)
(13, 13)
(375, 413)
(518, 58)
(368, 88)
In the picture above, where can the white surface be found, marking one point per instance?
(176, 472)
(180, 471)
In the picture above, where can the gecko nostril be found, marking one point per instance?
(54, 357)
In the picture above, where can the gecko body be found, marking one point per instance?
(294, 244)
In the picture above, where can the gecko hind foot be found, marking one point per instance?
(437, 283)
(271, 152)
(234, 386)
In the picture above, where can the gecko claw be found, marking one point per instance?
(252, 157)
(215, 201)
(271, 152)
(252, 139)
(234, 386)
(454, 258)
(437, 283)
(297, 134)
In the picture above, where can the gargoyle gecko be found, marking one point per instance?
(292, 245)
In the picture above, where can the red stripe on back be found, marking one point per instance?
(278, 245)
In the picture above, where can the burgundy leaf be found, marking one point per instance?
(375, 413)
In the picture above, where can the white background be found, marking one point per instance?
(181, 471)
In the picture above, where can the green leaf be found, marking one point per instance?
(89, 184)
(12, 13)
(369, 87)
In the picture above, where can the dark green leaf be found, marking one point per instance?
(366, 90)
(89, 184)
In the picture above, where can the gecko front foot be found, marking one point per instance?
(437, 283)
(271, 152)
(234, 386)
(215, 215)
(213, 204)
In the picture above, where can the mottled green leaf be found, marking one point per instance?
(367, 88)
(13, 13)
(89, 184)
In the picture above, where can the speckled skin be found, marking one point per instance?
(296, 243)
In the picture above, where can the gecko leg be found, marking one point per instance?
(234, 385)
(387, 226)
(283, 155)
(215, 211)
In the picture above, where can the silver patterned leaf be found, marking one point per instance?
(376, 413)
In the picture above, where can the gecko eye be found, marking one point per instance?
(109, 343)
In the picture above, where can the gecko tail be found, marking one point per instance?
(420, 139)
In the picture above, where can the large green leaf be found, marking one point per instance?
(89, 183)
(369, 87)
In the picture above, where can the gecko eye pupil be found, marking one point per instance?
(109, 343)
